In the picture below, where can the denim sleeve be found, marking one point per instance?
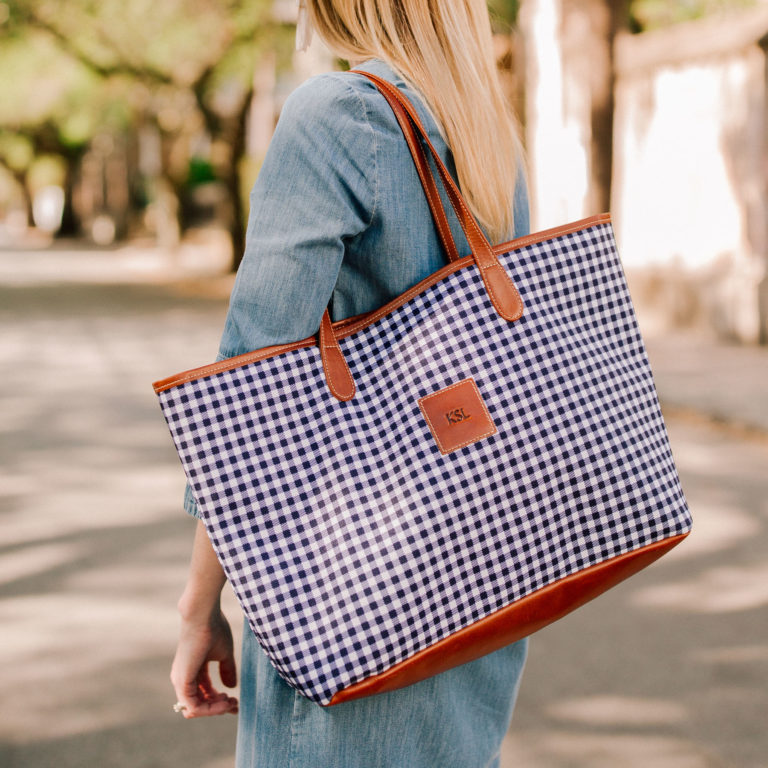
(522, 213)
(315, 190)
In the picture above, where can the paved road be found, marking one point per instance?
(668, 670)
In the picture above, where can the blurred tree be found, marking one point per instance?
(503, 14)
(184, 67)
(652, 14)
(584, 35)
(48, 105)
(587, 30)
(607, 19)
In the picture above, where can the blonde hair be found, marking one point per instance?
(444, 49)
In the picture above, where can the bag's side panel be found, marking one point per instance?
(353, 543)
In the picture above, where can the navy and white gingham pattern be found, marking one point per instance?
(352, 543)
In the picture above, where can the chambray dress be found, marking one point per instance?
(338, 216)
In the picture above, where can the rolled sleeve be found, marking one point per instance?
(315, 191)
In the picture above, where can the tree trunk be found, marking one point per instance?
(26, 196)
(169, 224)
(609, 19)
(237, 224)
(589, 49)
(69, 223)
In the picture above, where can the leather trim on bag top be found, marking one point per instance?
(351, 325)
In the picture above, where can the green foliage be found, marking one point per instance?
(73, 69)
(173, 39)
(45, 170)
(503, 14)
(200, 171)
(16, 150)
(653, 14)
(88, 65)
(38, 80)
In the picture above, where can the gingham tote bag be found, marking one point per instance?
(417, 487)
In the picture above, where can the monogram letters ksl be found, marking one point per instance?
(457, 416)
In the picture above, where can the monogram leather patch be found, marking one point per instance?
(457, 416)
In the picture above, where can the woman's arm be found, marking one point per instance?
(315, 191)
(205, 636)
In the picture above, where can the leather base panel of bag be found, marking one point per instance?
(511, 623)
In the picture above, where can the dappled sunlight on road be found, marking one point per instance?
(717, 456)
(718, 590)
(668, 670)
(563, 748)
(23, 563)
(619, 710)
(71, 652)
(716, 528)
(738, 654)
(729, 501)
(207, 254)
(95, 544)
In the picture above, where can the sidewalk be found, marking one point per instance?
(669, 670)
(726, 383)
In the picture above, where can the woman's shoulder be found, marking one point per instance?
(339, 99)
(324, 92)
(330, 97)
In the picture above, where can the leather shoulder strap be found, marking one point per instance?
(501, 290)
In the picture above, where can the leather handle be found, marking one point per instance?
(337, 373)
(501, 289)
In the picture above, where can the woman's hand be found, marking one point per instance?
(201, 642)
(205, 637)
